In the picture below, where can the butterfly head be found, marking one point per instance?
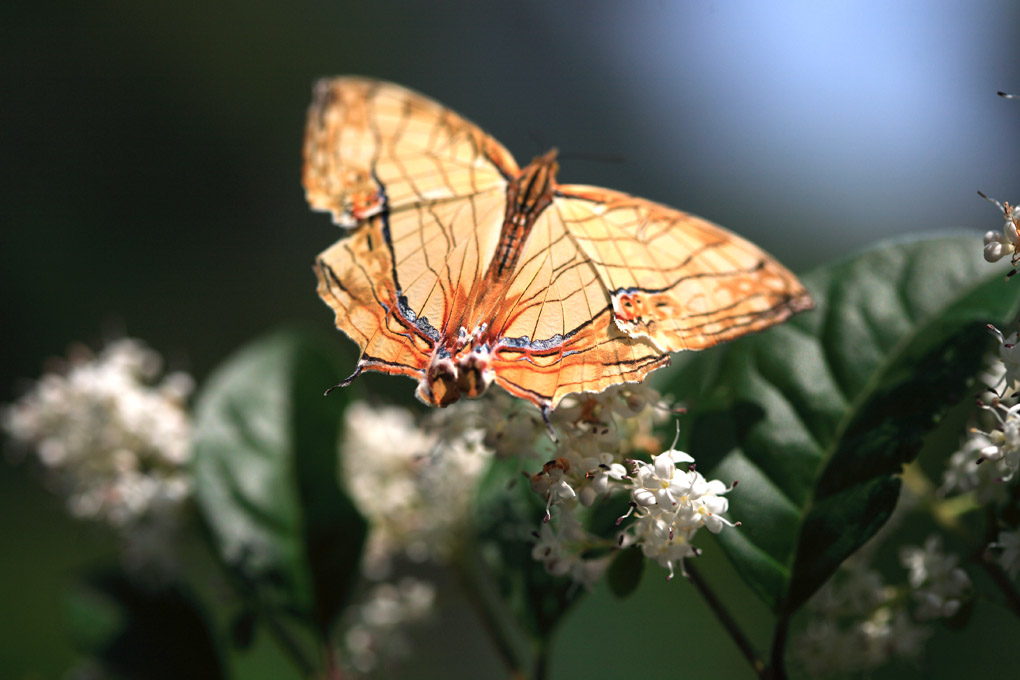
(464, 371)
(438, 387)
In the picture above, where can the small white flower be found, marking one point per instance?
(1003, 439)
(559, 546)
(376, 636)
(1009, 543)
(1007, 243)
(1009, 355)
(709, 504)
(632, 398)
(511, 427)
(939, 585)
(967, 472)
(659, 541)
(659, 483)
(607, 470)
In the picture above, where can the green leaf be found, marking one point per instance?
(816, 417)
(625, 572)
(265, 465)
(151, 632)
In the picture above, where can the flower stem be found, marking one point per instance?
(985, 558)
(1001, 580)
(727, 621)
(204, 551)
(333, 670)
(474, 582)
(541, 666)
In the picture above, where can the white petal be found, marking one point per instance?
(994, 251)
(643, 497)
(680, 456)
(664, 466)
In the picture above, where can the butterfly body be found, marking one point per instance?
(461, 270)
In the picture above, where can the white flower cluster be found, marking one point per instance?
(1003, 439)
(1007, 243)
(938, 585)
(512, 426)
(376, 633)
(856, 624)
(113, 437)
(559, 546)
(671, 505)
(668, 503)
(414, 485)
(990, 456)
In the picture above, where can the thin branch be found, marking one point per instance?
(540, 669)
(288, 643)
(471, 576)
(727, 621)
(985, 558)
(777, 668)
(1003, 582)
(333, 669)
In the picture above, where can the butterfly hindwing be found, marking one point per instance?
(675, 278)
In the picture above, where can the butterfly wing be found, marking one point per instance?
(608, 285)
(356, 281)
(556, 328)
(394, 282)
(372, 145)
(429, 191)
(674, 278)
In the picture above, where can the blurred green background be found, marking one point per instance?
(151, 158)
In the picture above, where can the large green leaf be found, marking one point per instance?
(815, 417)
(265, 448)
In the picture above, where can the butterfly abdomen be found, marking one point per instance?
(526, 197)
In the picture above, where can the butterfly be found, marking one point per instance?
(461, 269)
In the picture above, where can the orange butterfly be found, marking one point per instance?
(462, 269)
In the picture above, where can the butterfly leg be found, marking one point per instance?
(548, 423)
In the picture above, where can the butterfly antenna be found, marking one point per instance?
(999, 205)
(538, 138)
(345, 382)
(612, 158)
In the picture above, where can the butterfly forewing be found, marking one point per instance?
(355, 280)
(440, 249)
(370, 143)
